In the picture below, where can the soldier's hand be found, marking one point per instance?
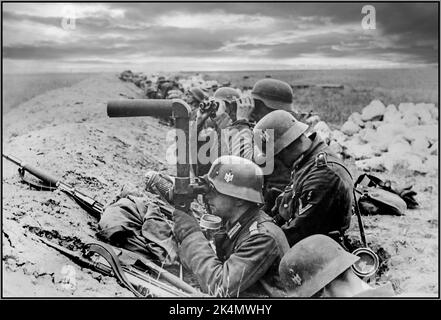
(184, 225)
(245, 107)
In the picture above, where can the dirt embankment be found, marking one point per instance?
(67, 132)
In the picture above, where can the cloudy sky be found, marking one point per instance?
(215, 36)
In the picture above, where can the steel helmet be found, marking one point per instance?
(226, 94)
(237, 177)
(286, 128)
(312, 263)
(274, 93)
(198, 94)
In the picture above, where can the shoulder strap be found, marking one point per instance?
(109, 255)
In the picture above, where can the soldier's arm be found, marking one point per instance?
(311, 216)
(246, 265)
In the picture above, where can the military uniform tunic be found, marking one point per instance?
(320, 196)
(246, 259)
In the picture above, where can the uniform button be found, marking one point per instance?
(285, 205)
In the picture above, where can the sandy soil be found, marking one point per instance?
(67, 132)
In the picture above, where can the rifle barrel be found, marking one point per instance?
(44, 176)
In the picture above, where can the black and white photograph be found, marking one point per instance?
(199, 151)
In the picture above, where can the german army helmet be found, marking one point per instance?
(237, 177)
(286, 128)
(226, 94)
(274, 93)
(312, 263)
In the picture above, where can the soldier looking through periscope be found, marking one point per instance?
(248, 251)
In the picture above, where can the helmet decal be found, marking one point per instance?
(229, 177)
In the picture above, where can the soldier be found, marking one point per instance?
(195, 96)
(319, 197)
(206, 126)
(317, 266)
(267, 95)
(249, 250)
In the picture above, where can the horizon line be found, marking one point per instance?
(235, 70)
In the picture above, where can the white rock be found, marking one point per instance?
(433, 110)
(407, 161)
(372, 111)
(338, 136)
(420, 144)
(369, 125)
(431, 164)
(349, 128)
(376, 124)
(372, 164)
(368, 135)
(399, 148)
(424, 114)
(430, 131)
(406, 107)
(323, 130)
(356, 118)
(410, 120)
(433, 150)
(361, 151)
(335, 147)
(392, 115)
(312, 121)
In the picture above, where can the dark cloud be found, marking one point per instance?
(407, 32)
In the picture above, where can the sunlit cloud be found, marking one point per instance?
(214, 20)
(214, 36)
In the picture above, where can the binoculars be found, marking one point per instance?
(163, 185)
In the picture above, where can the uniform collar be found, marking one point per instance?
(232, 230)
(317, 145)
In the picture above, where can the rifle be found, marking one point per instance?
(138, 282)
(51, 183)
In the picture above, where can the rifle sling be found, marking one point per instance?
(109, 255)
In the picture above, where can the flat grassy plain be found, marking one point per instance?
(359, 87)
(18, 88)
(334, 105)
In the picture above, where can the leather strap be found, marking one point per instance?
(109, 255)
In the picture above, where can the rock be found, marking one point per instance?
(392, 115)
(424, 114)
(335, 147)
(421, 145)
(433, 110)
(375, 110)
(361, 151)
(429, 131)
(410, 120)
(368, 135)
(372, 164)
(431, 164)
(338, 136)
(356, 118)
(399, 148)
(313, 120)
(406, 107)
(402, 161)
(369, 125)
(433, 150)
(323, 131)
(349, 128)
